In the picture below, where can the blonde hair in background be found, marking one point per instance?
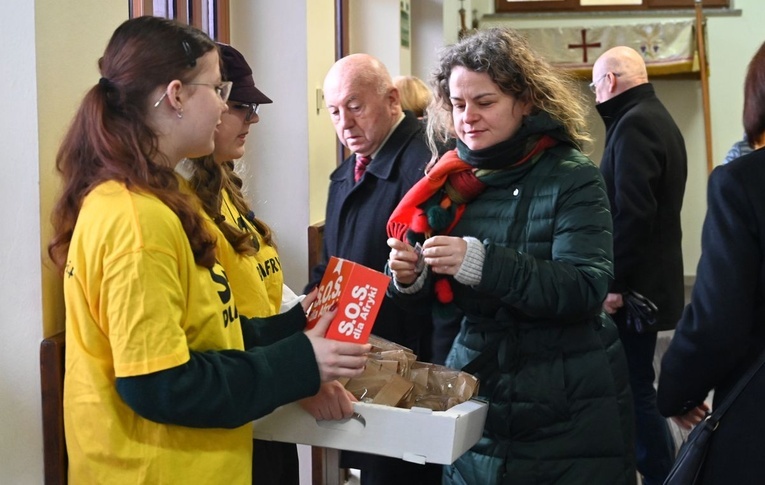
(414, 94)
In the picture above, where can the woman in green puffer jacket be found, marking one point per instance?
(515, 232)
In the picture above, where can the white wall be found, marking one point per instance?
(20, 291)
(375, 29)
(427, 35)
(272, 36)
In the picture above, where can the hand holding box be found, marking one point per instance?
(358, 292)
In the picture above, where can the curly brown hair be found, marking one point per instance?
(506, 56)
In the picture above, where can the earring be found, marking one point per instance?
(179, 113)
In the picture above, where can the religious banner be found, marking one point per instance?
(667, 47)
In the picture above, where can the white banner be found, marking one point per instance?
(667, 47)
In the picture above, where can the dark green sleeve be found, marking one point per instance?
(225, 389)
(267, 330)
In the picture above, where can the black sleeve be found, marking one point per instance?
(637, 171)
(715, 332)
(265, 331)
(225, 389)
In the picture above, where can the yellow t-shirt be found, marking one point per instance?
(136, 303)
(255, 280)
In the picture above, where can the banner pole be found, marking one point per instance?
(704, 74)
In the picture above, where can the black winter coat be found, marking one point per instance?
(645, 167)
(549, 361)
(722, 330)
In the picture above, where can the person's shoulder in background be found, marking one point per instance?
(738, 149)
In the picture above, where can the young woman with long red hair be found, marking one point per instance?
(162, 373)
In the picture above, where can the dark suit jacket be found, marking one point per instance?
(354, 229)
(645, 167)
(357, 214)
(722, 330)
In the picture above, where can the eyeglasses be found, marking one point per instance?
(222, 89)
(594, 84)
(252, 110)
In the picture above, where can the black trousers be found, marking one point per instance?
(275, 463)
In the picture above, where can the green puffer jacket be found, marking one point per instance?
(548, 359)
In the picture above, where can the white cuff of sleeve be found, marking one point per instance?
(472, 266)
(289, 299)
(414, 287)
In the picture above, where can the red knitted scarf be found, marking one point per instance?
(462, 187)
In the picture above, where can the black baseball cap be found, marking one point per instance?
(236, 70)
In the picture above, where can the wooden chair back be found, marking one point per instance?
(52, 384)
(315, 245)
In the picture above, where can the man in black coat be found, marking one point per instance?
(644, 166)
(389, 155)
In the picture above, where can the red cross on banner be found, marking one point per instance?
(584, 45)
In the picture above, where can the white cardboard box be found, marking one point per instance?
(417, 435)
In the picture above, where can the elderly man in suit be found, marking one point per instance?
(388, 156)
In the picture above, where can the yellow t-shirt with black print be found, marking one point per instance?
(255, 280)
(136, 303)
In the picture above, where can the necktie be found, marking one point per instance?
(361, 166)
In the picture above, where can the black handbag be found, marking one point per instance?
(640, 312)
(691, 456)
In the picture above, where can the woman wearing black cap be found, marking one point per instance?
(247, 251)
